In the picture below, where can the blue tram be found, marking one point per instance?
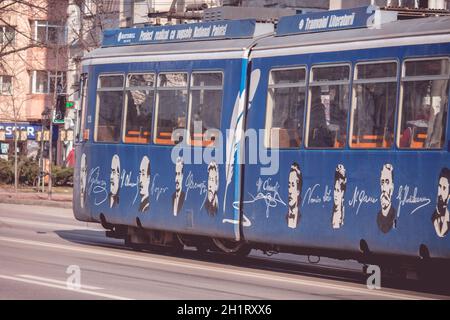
(328, 136)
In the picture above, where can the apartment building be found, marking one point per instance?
(33, 65)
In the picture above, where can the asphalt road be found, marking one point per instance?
(42, 249)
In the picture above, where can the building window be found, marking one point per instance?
(108, 118)
(206, 107)
(374, 104)
(7, 35)
(5, 85)
(328, 106)
(89, 8)
(285, 108)
(171, 107)
(424, 103)
(48, 33)
(40, 82)
(44, 82)
(140, 94)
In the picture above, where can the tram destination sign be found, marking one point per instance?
(233, 29)
(361, 17)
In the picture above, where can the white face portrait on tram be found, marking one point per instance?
(114, 180)
(387, 188)
(179, 175)
(213, 182)
(83, 179)
(441, 215)
(340, 186)
(294, 195)
(144, 177)
(212, 202)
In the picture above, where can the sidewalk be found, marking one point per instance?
(27, 197)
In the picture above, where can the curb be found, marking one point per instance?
(35, 202)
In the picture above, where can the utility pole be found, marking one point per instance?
(52, 109)
(50, 143)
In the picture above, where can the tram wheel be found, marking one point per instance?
(237, 248)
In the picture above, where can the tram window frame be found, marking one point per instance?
(83, 133)
(372, 141)
(270, 106)
(313, 83)
(127, 89)
(97, 105)
(169, 141)
(212, 140)
(403, 79)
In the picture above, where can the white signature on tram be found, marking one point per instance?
(192, 185)
(266, 192)
(156, 189)
(405, 197)
(97, 187)
(359, 198)
(311, 197)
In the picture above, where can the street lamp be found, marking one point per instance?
(2, 138)
(45, 136)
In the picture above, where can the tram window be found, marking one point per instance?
(285, 108)
(109, 108)
(425, 85)
(206, 103)
(171, 106)
(373, 106)
(140, 93)
(328, 106)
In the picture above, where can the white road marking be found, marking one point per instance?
(56, 281)
(48, 224)
(184, 265)
(16, 212)
(50, 285)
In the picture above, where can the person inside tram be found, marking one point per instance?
(320, 136)
(139, 112)
(338, 115)
(366, 110)
(412, 103)
(424, 114)
(293, 132)
(437, 115)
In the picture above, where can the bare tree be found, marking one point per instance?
(21, 54)
(14, 8)
(12, 103)
(93, 18)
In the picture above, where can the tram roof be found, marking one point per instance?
(238, 35)
(172, 48)
(397, 29)
(265, 40)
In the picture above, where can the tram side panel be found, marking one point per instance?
(297, 205)
(136, 184)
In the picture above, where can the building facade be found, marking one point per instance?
(33, 65)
